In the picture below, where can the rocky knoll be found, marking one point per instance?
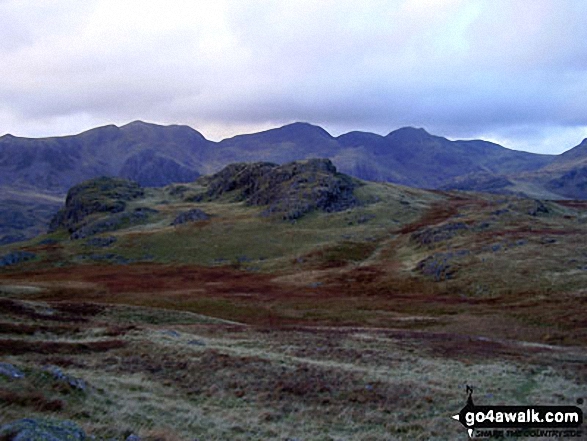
(288, 191)
(100, 195)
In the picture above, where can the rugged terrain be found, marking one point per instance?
(35, 174)
(291, 301)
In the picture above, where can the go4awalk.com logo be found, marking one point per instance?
(517, 421)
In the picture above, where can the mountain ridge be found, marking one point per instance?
(157, 155)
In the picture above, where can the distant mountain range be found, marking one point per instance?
(35, 174)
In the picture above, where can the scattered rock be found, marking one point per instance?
(482, 226)
(10, 371)
(194, 215)
(16, 257)
(58, 374)
(133, 437)
(430, 236)
(178, 190)
(538, 209)
(365, 218)
(196, 343)
(436, 266)
(29, 429)
(361, 219)
(101, 242)
(439, 265)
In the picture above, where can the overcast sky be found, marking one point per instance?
(514, 72)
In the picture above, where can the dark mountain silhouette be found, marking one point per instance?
(567, 173)
(416, 158)
(285, 144)
(150, 154)
(154, 155)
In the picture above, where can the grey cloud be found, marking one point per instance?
(461, 68)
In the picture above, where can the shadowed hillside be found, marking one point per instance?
(156, 156)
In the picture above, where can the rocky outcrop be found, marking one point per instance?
(59, 375)
(101, 195)
(441, 266)
(29, 429)
(10, 371)
(288, 191)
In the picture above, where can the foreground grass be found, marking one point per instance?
(182, 376)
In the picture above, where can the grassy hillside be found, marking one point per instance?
(377, 244)
(194, 311)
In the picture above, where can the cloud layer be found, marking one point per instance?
(510, 71)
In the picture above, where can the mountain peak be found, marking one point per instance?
(305, 128)
(410, 132)
(411, 135)
(137, 123)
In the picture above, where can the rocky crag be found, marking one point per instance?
(288, 191)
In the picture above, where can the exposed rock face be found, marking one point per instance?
(101, 195)
(153, 170)
(290, 190)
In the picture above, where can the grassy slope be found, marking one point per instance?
(172, 375)
(346, 328)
